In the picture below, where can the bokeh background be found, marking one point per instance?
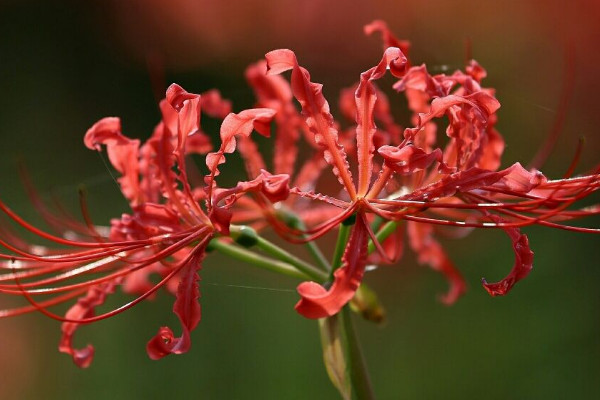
(66, 64)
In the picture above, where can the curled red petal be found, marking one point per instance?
(176, 96)
(476, 71)
(84, 308)
(187, 106)
(365, 98)
(275, 187)
(161, 345)
(438, 108)
(238, 124)
(213, 105)
(408, 159)
(420, 88)
(389, 40)
(484, 103)
(122, 152)
(523, 262)
(188, 311)
(107, 130)
(318, 302)
(315, 109)
(518, 179)
(125, 160)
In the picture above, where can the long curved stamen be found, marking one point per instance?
(563, 215)
(466, 224)
(82, 256)
(123, 272)
(45, 304)
(15, 217)
(110, 248)
(60, 225)
(39, 307)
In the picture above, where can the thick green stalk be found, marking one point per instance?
(356, 366)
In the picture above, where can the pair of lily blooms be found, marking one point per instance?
(403, 175)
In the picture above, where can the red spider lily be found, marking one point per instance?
(418, 182)
(166, 233)
(400, 175)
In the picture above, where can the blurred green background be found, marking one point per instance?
(66, 64)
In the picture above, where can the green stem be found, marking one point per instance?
(383, 234)
(248, 237)
(357, 368)
(242, 254)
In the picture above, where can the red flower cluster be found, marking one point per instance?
(403, 176)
